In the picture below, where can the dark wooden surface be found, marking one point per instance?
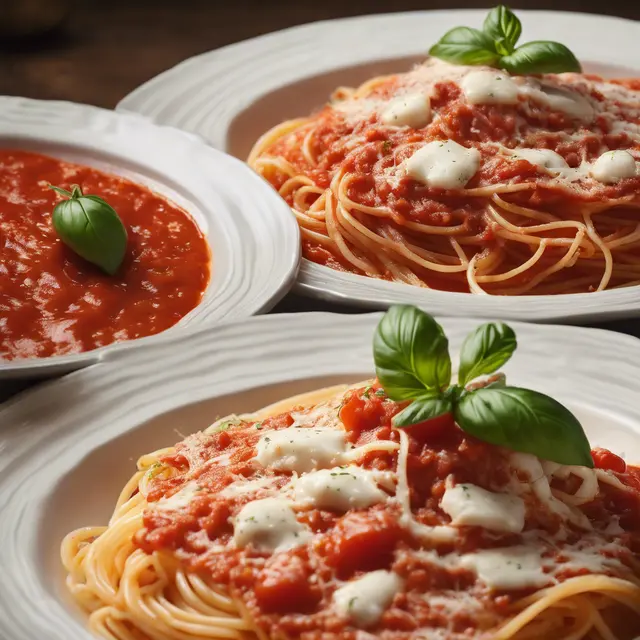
(110, 47)
(107, 48)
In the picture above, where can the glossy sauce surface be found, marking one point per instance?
(52, 302)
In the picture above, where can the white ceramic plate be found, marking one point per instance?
(232, 95)
(253, 236)
(68, 447)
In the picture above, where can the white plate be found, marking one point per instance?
(68, 447)
(232, 95)
(253, 236)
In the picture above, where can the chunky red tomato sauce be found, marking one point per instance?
(290, 592)
(51, 301)
(368, 151)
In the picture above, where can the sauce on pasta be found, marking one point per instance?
(322, 521)
(541, 196)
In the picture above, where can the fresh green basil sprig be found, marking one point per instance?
(495, 46)
(90, 227)
(411, 354)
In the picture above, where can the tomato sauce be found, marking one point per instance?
(291, 591)
(53, 302)
(354, 142)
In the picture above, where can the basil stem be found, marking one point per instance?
(91, 228)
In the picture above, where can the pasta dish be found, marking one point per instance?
(328, 516)
(468, 179)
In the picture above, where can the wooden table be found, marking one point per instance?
(107, 48)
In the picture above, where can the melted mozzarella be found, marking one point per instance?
(489, 87)
(539, 484)
(555, 98)
(587, 490)
(517, 567)
(364, 600)
(242, 486)
(443, 164)
(592, 561)
(542, 158)
(301, 449)
(470, 505)
(614, 166)
(179, 500)
(412, 110)
(341, 488)
(269, 525)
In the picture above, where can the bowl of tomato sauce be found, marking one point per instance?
(203, 239)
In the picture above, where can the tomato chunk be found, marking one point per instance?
(365, 409)
(604, 459)
(283, 585)
(363, 542)
(431, 429)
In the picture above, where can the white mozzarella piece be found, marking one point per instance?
(614, 166)
(517, 567)
(340, 488)
(542, 158)
(470, 505)
(443, 164)
(179, 500)
(489, 87)
(560, 99)
(301, 449)
(269, 525)
(363, 601)
(411, 110)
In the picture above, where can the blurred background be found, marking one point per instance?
(97, 51)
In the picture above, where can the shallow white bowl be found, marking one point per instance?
(232, 95)
(68, 447)
(254, 239)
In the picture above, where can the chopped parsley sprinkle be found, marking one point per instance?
(380, 393)
(258, 425)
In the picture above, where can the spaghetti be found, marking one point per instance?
(314, 519)
(541, 197)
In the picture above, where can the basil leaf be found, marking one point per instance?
(422, 409)
(524, 420)
(540, 57)
(504, 28)
(91, 227)
(485, 350)
(411, 353)
(464, 45)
